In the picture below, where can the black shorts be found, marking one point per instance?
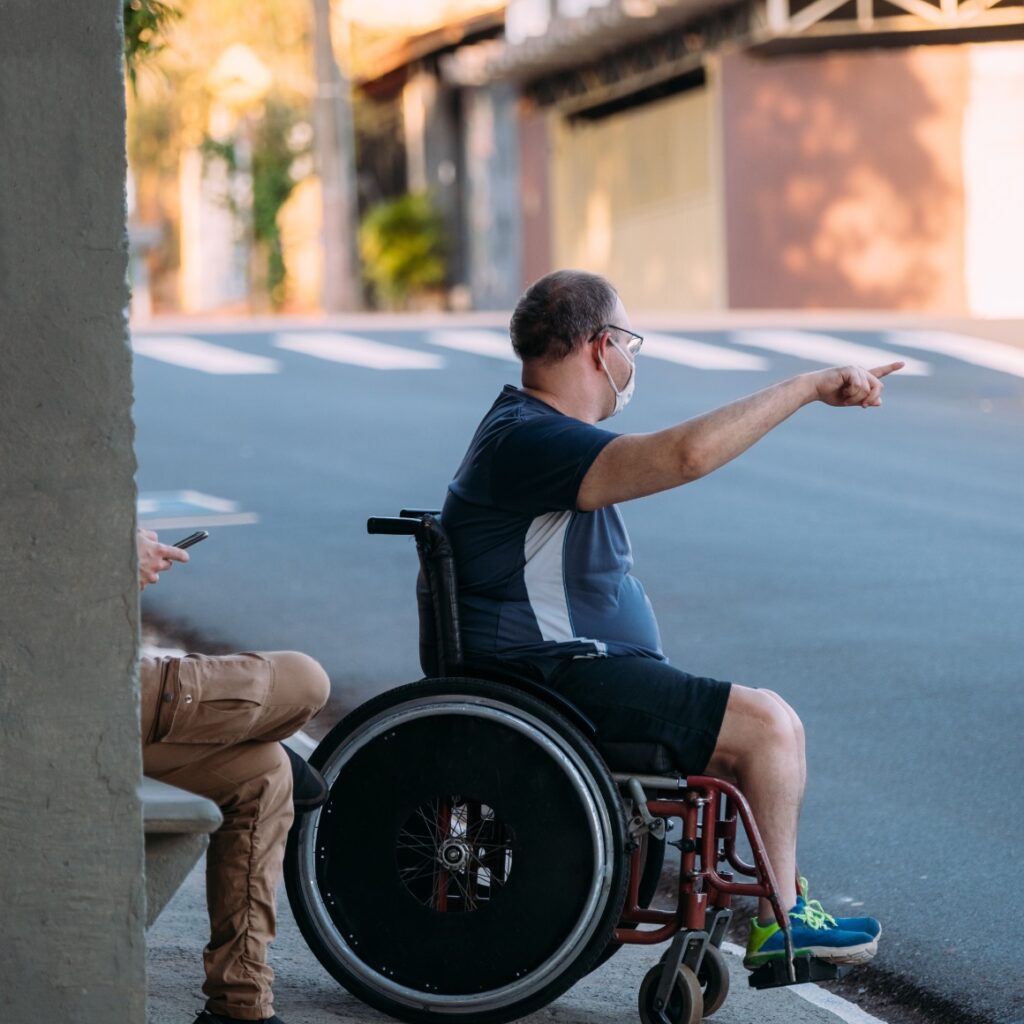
(640, 700)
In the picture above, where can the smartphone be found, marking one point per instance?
(192, 538)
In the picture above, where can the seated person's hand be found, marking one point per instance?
(155, 557)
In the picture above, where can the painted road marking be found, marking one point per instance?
(842, 1008)
(349, 348)
(202, 355)
(978, 351)
(493, 344)
(699, 354)
(824, 348)
(165, 510)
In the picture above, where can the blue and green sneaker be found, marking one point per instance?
(848, 924)
(813, 935)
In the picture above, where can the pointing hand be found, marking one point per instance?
(853, 385)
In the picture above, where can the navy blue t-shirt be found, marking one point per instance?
(539, 580)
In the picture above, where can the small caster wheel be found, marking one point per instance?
(685, 1005)
(714, 979)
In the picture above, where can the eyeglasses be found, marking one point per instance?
(633, 342)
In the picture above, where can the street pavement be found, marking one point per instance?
(867, 564)
(304, 993)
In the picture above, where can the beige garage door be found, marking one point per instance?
(633, 199)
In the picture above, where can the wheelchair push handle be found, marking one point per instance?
(394, 526)
(405, 524)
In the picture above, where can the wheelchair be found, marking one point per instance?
(482, 849)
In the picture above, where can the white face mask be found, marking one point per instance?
(622, 398)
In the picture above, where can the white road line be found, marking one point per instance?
(481, 343)
(349, 348)
(850, 1012)
(824, 348)
(842, 1008)
(197, 519)
(699, 354)
(202, 355)
(979, 351)
(173, 510)
(153, 501)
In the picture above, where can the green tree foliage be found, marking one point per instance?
(276, 147)
(175, 109)
(402, 244)
(145, 22)
(273, 156)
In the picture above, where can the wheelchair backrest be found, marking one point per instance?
(437, 597)
(437, 592)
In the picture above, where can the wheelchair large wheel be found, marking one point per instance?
(470, 861)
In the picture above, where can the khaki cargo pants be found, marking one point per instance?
(210, 725)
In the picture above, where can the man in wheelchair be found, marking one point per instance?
(544, 561)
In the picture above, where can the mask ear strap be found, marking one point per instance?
(611, 379)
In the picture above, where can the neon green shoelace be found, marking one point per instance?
(818, 912)
(814, 916)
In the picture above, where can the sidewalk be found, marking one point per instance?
(306, 993)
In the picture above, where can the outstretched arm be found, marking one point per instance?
(636, 465)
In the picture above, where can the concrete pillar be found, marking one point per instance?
(535, 193)
(214, 254)
(430, 112)
(494, 256)
(71, 845)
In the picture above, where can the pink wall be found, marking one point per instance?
(843, 182)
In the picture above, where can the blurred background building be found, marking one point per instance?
(704, 154)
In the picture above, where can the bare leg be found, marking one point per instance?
(798, 734)
(762, 748)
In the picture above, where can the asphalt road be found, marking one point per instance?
(868, 565)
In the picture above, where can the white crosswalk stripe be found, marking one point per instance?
(699, 354)
(979, 351)
(349, 348)
(206, 357)
(202, 355)
(481, 343)
(824, 348)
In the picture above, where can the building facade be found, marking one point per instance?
(709, 156)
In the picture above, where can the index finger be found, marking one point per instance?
(884, 371)
(174, 554)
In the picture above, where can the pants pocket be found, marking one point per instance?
(216, 700)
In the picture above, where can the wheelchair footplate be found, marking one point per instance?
(775, 973)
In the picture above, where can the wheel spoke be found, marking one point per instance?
(424, 843)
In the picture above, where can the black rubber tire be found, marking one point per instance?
(650, 875)
(713, 977)
(685, 1003)
(454, 736)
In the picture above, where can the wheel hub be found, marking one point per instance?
(454, 855)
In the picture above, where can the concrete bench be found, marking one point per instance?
(177, 826)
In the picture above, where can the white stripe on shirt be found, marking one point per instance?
(544, 550)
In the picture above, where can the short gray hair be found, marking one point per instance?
(559, 313)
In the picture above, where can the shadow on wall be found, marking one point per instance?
(843, 179)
